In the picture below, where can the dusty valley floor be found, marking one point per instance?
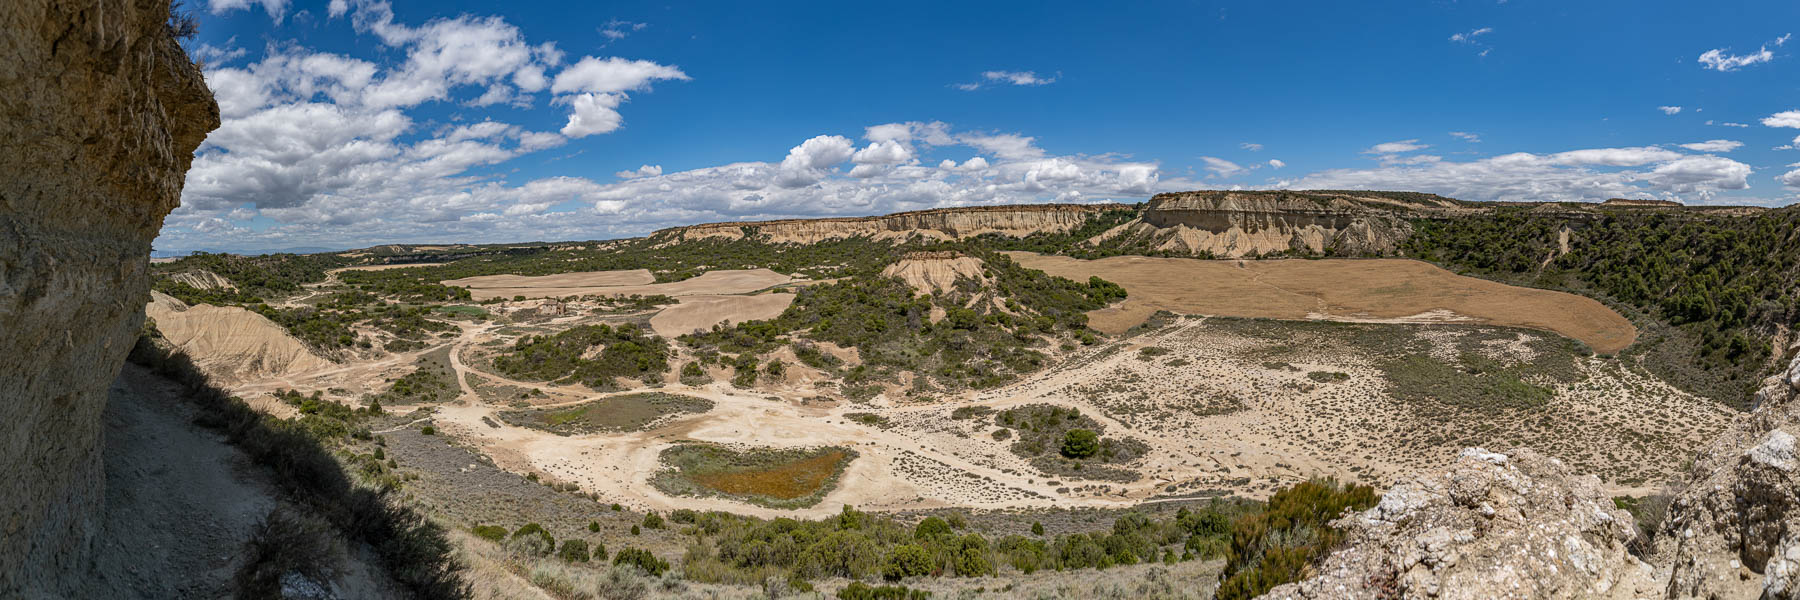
(1224, 406)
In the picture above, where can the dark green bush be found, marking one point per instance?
(1080, 443)
(642, 559)
(493, 533)
(574, 551)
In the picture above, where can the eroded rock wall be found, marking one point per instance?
(1234, 224)
(943, 223)
(101, 114)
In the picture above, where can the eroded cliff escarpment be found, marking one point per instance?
(102, 113)
(941, 223)
(1235, 224)
(1519, 525)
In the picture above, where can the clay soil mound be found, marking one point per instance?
(1359, 290)
(700, 313)
(231, 343)
(934, 272)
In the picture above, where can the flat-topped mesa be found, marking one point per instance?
(1238, 223)
(942, 223)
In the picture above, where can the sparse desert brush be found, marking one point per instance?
(287, 542)
(1277, 544)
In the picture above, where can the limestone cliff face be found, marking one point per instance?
(1234, 224)
(101, 114)
(942, 223)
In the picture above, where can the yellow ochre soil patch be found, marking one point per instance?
(1396, 290)
(618, 283)
(785, 478)
(788, 481)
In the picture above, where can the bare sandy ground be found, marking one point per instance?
(1333, 289)
(1285, 427)
(701, 312)
(618, 283)
(231, 343)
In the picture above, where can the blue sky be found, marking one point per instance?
(349, 123)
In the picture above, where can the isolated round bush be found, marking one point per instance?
(931, 528)
(907, 560)
(1080, 443)
(574, 551)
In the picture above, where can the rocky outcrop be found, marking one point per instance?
(1494, 526)
(935, 272)
(101, 113)
(1523, 526)
(202, 279)
(1235, 224)
(942, 223)
(1735, 530)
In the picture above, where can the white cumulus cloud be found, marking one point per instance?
(1720, 59)
(1714, 146)
(1396, 147)
(643, 171)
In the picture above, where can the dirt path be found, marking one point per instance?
(180, 502)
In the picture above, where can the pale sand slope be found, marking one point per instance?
(230, 343)
(700, 313)
(612, 283)
(929, 275)
(1333, 289)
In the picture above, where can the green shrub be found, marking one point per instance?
(531, 538)
(931, 528)
(1037, 528)
(1080, 443)
(1276, 545)
(907, 560)
(574, 551)
(428, 430)
(653, 521)
(642, 559)
(492, 533)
